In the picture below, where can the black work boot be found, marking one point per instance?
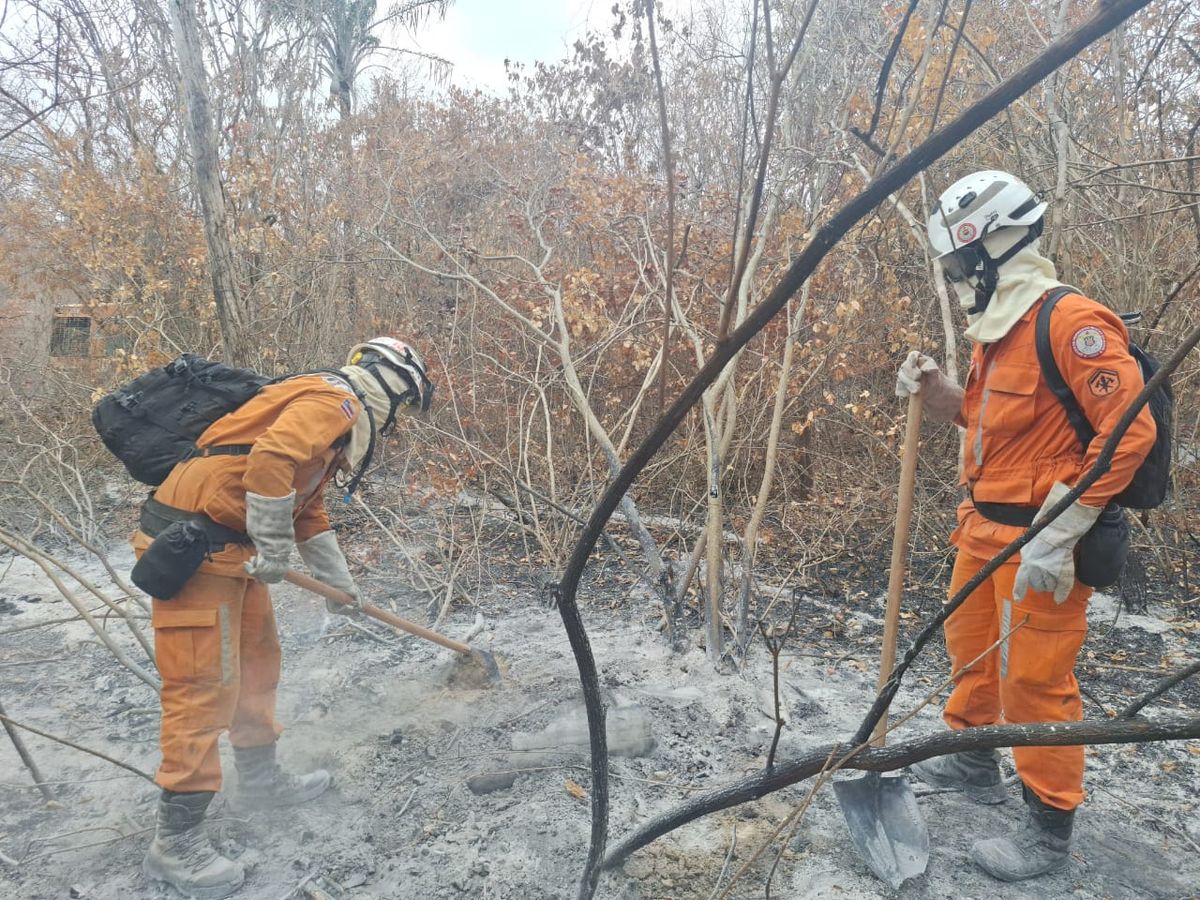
(974, 772)
(261, 782)
(1041, 847)
(181, 853)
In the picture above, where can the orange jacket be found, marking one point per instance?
(1018, 440)
(293, 426)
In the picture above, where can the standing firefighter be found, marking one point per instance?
(255, 487)
(1020, 457)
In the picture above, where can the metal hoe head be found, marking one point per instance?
(486, 660)
(885, 825)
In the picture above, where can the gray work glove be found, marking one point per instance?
(919, 374)
(1048, 561)
(327, 563)
(269, 524)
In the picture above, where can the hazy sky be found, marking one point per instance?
(477, 35)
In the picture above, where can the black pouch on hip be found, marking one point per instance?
(172, 558)
(1104, 549)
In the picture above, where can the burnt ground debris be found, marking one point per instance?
(405, 735)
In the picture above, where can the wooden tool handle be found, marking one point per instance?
(908, 477)
(331, 593)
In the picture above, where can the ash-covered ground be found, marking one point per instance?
(406, 728)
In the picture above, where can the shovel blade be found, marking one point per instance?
(885, 825)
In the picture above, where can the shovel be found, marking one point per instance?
(483, 658)
(881, 812)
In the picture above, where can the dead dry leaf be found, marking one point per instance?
(575, 790)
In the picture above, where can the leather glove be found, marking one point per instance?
(1048, 561)
(912, 370)
(327, 563)
(269, 524)
(919, 374)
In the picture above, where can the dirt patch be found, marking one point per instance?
(405, 726)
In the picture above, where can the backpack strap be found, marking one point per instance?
(1054, 380)
(220, 450)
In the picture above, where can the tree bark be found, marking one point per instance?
(1060, 137)
(231, 314)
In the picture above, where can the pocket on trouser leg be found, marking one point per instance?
(193, 645)
(1044, 648)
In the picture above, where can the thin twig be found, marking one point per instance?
(26, 758)
(1153, 818)
(725, 865)
(123, 837)
(74, 746)
(1159, 689)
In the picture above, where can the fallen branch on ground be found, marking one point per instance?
(896, 756)
(74, 746)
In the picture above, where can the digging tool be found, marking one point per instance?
(881, 812)
(484, 658)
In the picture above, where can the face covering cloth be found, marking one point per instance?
(369, 387)
(1022, 280)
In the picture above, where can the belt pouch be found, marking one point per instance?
(1104, 549)
(171, 559)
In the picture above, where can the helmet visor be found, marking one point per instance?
(963, 263)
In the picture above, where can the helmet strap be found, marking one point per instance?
(985, 287)
(394, 400)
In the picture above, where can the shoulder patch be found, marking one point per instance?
(1103, 382)
(348, 408)
(335, 381)
(1088, 342)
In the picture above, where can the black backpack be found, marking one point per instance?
(153, 423)
(1152, 481)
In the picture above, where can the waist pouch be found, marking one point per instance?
(182, 541)
(170, 560)
(1101, 552)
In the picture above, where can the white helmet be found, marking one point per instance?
(400, 358)
(978, 205)
(973, 209)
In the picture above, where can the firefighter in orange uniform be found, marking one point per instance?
(215, 641)
(1020, 456)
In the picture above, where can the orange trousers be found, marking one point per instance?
(218, 653)
(1028, 678)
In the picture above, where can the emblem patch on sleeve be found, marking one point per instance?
(1088, 342)
(1103, 382)
(348, 408)
(339, 383)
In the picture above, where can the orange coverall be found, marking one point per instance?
(1017, 443)
(215, 642)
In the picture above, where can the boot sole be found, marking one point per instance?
(216, 892)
